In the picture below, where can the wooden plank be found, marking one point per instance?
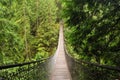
(61, 71)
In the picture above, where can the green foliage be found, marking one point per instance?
(10, 42)
(94, 29)
(27, 30)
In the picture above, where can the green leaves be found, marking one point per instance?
(27, 30)
(10, 41)
(94, 27)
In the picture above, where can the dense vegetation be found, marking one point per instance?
(94, 30)
(28, 30)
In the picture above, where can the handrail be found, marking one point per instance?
(94, 64)
(83, 70)
(20, 64)
(24, 63)
(33, 70)
(28, 70)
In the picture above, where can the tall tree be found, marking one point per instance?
(94, 28)
(27, 30)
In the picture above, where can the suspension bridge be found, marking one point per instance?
(60, 66)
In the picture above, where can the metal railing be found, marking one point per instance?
(35, 70)
(41, 70)
(82, 70)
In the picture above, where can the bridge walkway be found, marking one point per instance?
(61, 71)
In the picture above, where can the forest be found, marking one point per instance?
(92, 36)
(93, 30)
(28, 30)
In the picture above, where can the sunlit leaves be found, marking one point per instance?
(27, 29)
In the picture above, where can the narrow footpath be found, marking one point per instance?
(61, 71)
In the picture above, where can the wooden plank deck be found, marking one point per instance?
(61, 71)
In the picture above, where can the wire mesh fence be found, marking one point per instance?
(36, 70)
(81, 70)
